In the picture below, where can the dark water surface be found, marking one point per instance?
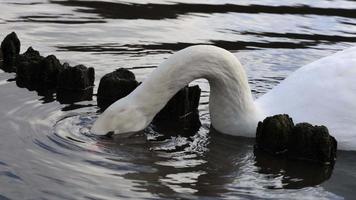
(47, 152)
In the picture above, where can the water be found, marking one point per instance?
(47, 152)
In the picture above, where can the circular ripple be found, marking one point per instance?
(76, 127)
(73, 132)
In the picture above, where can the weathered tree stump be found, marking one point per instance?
(10, 48)
(279, 136)
(312, 143)
(181, 112)
(114, 86)
(273, 133)
(28, 68)
(75, 84)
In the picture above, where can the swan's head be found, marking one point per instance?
(120, 118)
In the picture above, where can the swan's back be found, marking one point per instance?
(323, 93)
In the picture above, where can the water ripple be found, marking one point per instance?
(47, 148)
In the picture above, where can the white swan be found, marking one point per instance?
(323, 92)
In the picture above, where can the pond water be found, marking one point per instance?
(45, 149)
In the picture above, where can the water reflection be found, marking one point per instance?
(60, 19)
(300, 36)
(208, 164)
(164, 11)
(294, 174)
(46, 148)
(223, 161)
(159, 48)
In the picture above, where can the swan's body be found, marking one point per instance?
(320, 93)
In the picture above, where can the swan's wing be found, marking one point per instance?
(321, 93)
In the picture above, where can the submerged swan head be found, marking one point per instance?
(232, 109)
(119, 118)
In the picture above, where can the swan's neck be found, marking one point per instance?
(231, 105)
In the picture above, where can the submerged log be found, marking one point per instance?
(28, 68)
(114, 86)
(35, 72)
(312, 143)
(10, 48)
(46, 75)
(278, 135)
(273, 133)
(185, 101)
(50, 70)
(181, 112)
(75, 84)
